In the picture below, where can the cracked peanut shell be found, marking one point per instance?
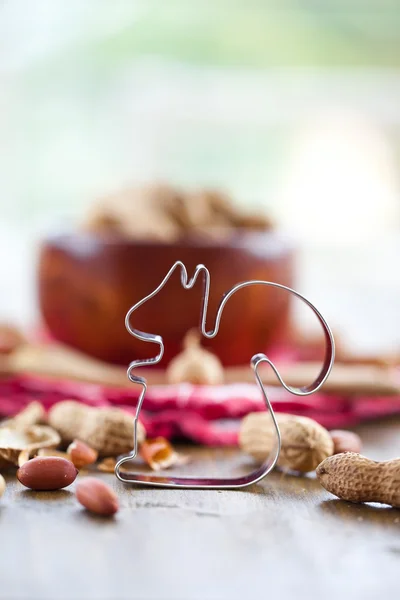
(13, 441)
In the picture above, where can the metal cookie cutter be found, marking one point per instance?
(257, 359)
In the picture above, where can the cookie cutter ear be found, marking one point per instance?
(216, 482)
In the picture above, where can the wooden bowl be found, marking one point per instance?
(87, 283)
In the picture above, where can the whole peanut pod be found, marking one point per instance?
(109, 431)
(355, 478)
(305, 443)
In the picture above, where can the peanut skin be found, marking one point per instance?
(81, 454)
(47, 473)
(345, 441)
(97, 497)
(353, 477)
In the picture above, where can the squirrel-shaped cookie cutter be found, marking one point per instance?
(256, 360)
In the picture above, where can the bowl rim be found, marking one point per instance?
(248, 239)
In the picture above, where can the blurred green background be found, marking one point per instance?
(292, 105)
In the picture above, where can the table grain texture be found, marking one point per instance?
(285, 538)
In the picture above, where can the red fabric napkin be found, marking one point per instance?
(204, 414)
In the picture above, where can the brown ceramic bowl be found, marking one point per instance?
(87, 283)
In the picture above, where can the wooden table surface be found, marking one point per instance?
(285, 538)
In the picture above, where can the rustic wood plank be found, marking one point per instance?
(286, 537)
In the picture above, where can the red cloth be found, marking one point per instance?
(206, 415)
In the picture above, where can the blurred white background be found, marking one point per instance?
(293, 106)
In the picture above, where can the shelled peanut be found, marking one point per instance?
(97, 497)
(345, 441)
(81, 454)
(47, 473)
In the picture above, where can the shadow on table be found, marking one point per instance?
(364, 514)
(82, 515)
(49, 496)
